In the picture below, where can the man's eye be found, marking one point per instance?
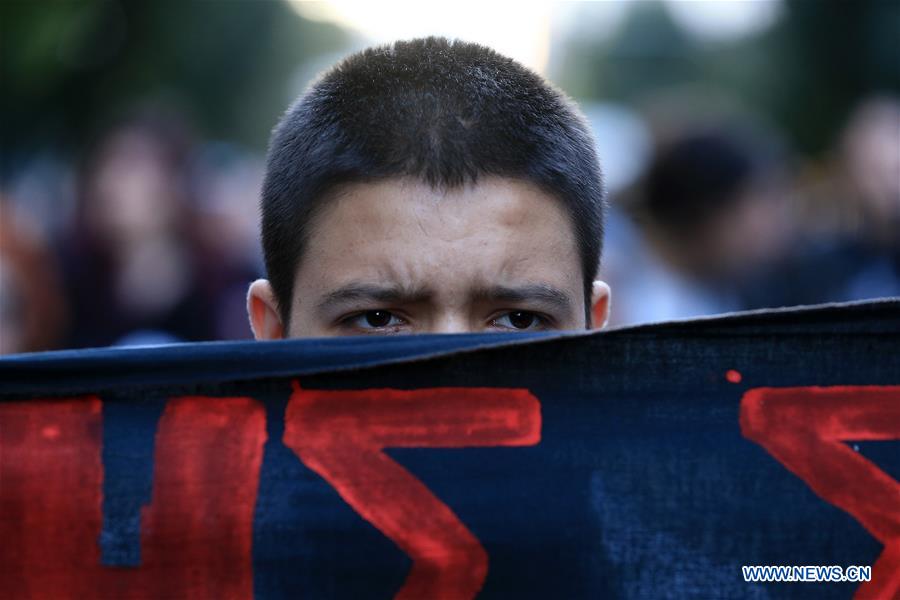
(520, 320)
(375, 319)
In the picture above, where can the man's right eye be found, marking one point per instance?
(375, 321)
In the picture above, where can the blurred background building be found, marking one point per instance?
(751, 149)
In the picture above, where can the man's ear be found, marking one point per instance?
(599, 304)
(265, 320)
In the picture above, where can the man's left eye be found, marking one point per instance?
(520, 320)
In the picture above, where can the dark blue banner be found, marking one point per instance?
(658, 461)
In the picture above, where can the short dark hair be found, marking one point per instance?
(445, 112)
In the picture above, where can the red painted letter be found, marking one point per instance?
(195, 535)
(804, 428)
(341, 434)
(50, 479)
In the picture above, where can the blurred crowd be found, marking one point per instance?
(159, 245)
(726, 217)
(751, 150)
(160, 239)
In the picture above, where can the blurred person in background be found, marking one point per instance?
(32, 307)
(227, 180)
(721, 222)
(137, 272)
(870, 153)
(711, 219)
(852, 212)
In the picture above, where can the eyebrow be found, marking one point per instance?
(552, 298)
(356, 292)
(547, 296)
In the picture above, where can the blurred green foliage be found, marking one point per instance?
(806, 73)
(69, 67)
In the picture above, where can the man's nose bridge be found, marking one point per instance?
(451, 322)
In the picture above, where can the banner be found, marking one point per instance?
(657, 461)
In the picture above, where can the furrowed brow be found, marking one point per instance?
(551, 297)
(360, 292)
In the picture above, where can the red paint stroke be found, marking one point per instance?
(804, 429)
(733, 376)
(50, 484)
(196, 534)
(341, 434)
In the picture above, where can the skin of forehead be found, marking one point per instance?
(496, 232)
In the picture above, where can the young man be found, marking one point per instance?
(430, 186)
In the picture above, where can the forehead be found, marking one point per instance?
(496, 231)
